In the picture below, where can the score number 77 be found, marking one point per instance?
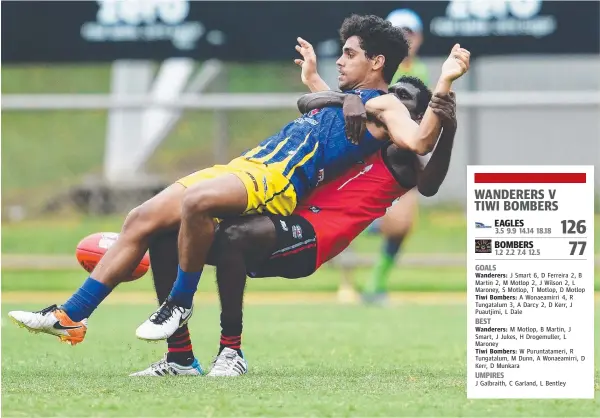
(575, 227)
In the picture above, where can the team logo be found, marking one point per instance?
(283, 225)
(307, 119)
(297, 231)
(483, 246)
(314, 209)
(314, 112)
(481, 225)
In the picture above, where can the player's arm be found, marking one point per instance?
(316, 83)
(311, 101)
(436, 165)
(402, 130)
(355, 115)
(310, 77)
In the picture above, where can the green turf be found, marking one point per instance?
(304, 361)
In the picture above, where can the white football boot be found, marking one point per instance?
(163, 323)
(228, 363)
(54, 321)
(165, 368)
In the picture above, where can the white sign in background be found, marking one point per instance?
(530, 275)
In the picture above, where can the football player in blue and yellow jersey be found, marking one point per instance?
(272, 177)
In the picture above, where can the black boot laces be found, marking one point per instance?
(50, 308)
(165, 312)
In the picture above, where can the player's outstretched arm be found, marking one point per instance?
(432, 176)
(402, 130)
(310, 77)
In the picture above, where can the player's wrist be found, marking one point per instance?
(449, 126)
(443, 85)
(313, 79)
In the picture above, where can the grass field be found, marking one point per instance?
(317, 360)
(307, 357)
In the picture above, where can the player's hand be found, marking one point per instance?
(355, 116)
(457, 63)
(308, 63)
(444, 105)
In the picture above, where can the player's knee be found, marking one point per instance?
(236, 234)
(397, 226)
(229, 242)
(132, 220)
(140, 221)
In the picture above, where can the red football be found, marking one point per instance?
(93, 247)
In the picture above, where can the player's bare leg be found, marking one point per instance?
(238, 247)
(160, 213)
(219, 197)
(69, 321)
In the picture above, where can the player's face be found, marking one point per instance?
(407, 93)
(353, 66)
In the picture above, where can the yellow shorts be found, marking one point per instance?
(268, 190)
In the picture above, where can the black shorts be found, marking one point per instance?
(295, 255)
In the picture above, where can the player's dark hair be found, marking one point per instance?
(424, 96)
(377, 37)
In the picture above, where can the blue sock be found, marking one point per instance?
(86, 299)
(185, 287)
(392, 246)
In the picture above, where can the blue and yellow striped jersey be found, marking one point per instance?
(314, 147)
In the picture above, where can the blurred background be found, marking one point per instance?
(106, 102)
